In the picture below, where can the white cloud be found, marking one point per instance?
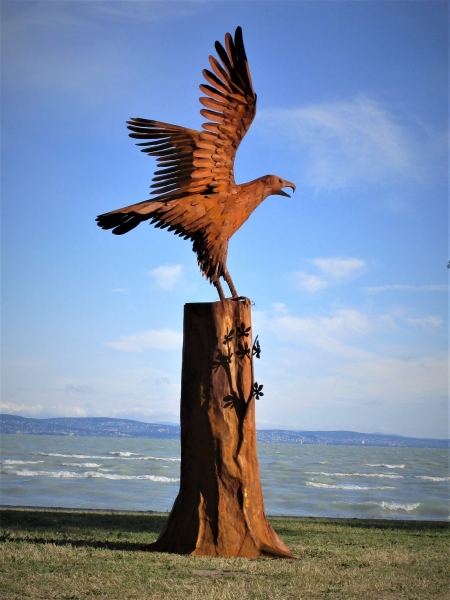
(339, 268)
(310, 283)
(91, 15)
(344, 143)
(279, 308)
(333, 270)
(167, 277)
(40, 41)
(119, 290)
(162, 339)
(337, 367)
(148, 414)
(408, 288)
(149, 11)
(55, 410)
(328, 333)
(11, 407)
(432, 321)
(78, 388)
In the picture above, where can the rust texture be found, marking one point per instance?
(196, 195)
(219, 510)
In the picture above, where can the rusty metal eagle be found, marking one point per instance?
(197, 196)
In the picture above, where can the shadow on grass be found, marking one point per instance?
(124, 546)
(292, 526)
(398, 524)
(99, 528)
(52, 521)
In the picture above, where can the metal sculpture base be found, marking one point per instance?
(219, 510)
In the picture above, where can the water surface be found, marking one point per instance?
(297, 480)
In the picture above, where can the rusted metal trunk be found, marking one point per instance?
(219, 510)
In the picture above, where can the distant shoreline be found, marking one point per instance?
(128, 428)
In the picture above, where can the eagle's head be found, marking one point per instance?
(274, 185)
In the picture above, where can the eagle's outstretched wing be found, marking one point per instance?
(230, 109)
(192, 163)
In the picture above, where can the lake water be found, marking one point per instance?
(298, 480)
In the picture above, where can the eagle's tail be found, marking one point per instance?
(120, 222)
(125, 219)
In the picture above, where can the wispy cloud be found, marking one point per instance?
(339, 268)
(332, 270)
(78, 388)
(74, 50)
(344, 143)
(162, 339)
(408, 288)
(12, 407)
(119, 290)
(280, 308)
(328, 332)
(150, 11)
(345, 333)
(308, 282)
(68, 15)
(431, 321)
(167, 277)
(60, 410)
(350, 358)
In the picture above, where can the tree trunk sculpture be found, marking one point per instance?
(219, 510)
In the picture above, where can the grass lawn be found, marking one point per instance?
(92, 554)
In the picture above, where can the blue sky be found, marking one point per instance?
(348, 277)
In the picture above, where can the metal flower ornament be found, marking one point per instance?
(196, 195)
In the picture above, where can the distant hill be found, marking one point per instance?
(126, 428)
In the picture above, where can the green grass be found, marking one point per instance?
(76, 554)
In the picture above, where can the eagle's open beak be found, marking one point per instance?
(286, 184)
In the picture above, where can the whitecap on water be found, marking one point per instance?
(22, 462)
(114, 456)
(383, 475)
(83, 465)
(88, 474)
(125, 453)
(348, 487)
(392, 506)
(386, 466)
(397, 506)
(429, 478)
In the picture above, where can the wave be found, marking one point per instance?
(125, 453)
(385, 505)
(22, 462)
(74, 455)
(383, 475)
(348, 487)
(116, 455)
(396, 506)
(386, 466)
(429, 478)
(86, 465)
(88, 474)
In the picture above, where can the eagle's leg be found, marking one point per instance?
(219, 288)
(227, 277)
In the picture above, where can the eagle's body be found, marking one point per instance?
(197, 195)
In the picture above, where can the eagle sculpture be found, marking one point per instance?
(197, 196)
